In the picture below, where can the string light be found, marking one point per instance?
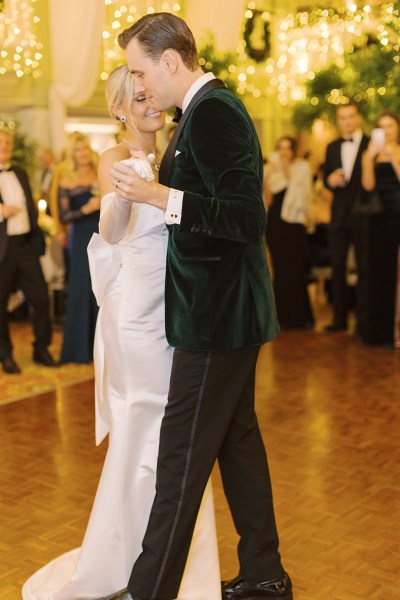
(307, 42)
(21, 51)
(121, 14)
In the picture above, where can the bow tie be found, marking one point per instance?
(177, 115)
(347, 139)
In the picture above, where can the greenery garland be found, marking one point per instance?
(370, 76)
(257, 54)
(217, 62)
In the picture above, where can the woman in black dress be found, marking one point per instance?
(287, 186)
(381, 172)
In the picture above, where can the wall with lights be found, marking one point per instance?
(276, 51)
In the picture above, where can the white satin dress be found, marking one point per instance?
(133, 364)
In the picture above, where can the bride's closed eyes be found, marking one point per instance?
(140, 98)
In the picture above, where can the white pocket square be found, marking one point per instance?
(177, 152)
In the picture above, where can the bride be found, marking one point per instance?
(132, 365)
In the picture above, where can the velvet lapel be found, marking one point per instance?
(168, 158)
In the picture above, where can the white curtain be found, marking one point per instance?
(75, 34)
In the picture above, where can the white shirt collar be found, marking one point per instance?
(356, 135)
(194, 88)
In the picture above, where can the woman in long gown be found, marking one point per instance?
(381, 171)
(132, 364)
(78, 206)
(287, 240)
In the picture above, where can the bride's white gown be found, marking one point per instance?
(132, 363)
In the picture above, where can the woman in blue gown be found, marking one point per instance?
(381, 171)
(79, 206)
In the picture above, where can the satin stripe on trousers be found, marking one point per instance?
(209, 415)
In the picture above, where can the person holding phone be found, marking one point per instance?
(381, 172)
(342, 175)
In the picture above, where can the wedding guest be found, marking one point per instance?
(21, 243)
(342, 175)
(79, 205)
(381, 172)
(287, 188)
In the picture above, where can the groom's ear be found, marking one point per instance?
(170, 60)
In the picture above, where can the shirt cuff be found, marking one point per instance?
(173, 214)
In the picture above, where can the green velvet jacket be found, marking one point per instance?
(218, 287)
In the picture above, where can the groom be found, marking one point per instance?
(219, 311)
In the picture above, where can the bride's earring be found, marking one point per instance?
(123, 119)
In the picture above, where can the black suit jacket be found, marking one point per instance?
(343, 198)
(36, 234)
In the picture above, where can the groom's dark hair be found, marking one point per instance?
(161, 31)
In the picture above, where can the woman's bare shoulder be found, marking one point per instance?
(118, 152)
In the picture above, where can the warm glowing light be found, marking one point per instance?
(42, 205)
(310, 40)
(121, 14)
(18, 38)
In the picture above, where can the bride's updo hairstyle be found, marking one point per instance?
(120, 89)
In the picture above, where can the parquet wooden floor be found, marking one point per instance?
(329, 411)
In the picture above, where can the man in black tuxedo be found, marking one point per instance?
(342, 175)
(219, 310)
(21, 243)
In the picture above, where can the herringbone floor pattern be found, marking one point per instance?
(329, 410)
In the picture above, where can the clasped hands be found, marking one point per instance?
(133, 188)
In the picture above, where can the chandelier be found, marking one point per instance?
(21, 52)
(121, 14)
(306, 43)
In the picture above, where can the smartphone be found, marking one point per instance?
(378, 136)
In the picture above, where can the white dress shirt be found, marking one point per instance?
(349, 151)
(173, 213)
(12, 194)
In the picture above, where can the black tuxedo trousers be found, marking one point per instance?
(209, 415)
(20, 266)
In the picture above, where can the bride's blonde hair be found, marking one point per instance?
(120, 88)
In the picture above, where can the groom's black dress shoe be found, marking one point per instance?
(239, 589)
(10, 366)
(122, 595)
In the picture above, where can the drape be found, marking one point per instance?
(75, 37)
